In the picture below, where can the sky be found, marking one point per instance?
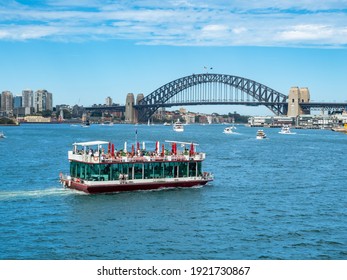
(85, 50)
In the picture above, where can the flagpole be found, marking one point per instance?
(136, 137)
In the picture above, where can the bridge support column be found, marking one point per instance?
(296, 96)
(131, 113)
(129, 109)
(139, 97)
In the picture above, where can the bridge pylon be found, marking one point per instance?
(131, 113)
(295, 97)
(129, 108)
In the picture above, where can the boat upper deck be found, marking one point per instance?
(94, 152)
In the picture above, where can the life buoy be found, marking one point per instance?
(96, 158)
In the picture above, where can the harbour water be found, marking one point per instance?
(280, 198)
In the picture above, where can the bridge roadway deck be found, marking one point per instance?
(312, 105)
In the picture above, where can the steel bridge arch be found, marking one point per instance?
(266, 96)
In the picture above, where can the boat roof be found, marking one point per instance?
(183, 143)
(90, 143)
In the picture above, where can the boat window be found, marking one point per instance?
(148, 170)
(157, 170)
(192, 169)
(127, 169)
(199, 168)
(138, 170)
(183, 169)
(168, 169)
(115, 171)
(105, 170)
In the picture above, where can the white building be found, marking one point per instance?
(108, 101)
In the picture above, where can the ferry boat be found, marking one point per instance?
(260, 134)
(286, 130)
(178, 126)
(96, 170)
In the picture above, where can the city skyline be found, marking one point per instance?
(84, 51)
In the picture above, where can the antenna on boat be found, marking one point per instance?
(135, 136)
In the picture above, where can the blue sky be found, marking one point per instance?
(85, 50)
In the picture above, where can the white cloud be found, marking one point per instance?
(308, 32)
(181, 22)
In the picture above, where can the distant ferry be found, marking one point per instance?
(178, 126)
(96, 170)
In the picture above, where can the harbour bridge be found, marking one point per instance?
(213, 89)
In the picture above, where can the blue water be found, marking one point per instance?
(281, 198)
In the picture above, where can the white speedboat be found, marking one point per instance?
(2, 135)
(260, 134)
(229, 130)
(286, 130)
(178, 126)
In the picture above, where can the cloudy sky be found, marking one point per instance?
(85, 50)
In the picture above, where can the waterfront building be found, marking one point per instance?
(23, 111)
(43, 100)
(6, 103)
(27, 98)
(271, 121)
(317, 121)
(36, 119)
(260, 121)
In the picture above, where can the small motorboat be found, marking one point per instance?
(260, 134)
(229, 130)
(286, 130)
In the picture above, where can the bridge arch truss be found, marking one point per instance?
(199, 89)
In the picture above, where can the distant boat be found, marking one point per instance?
(260, 134)
(167, 124)
(106, 123)
(149, 122)
(229, 130)
(340, 128)
(178, 126)
(2, 135)
(286, 130)
(86, 124)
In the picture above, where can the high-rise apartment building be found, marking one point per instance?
(17, 102)
(28, 98)
(6, 102)
(43, 100)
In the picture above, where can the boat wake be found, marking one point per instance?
(11, 195)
